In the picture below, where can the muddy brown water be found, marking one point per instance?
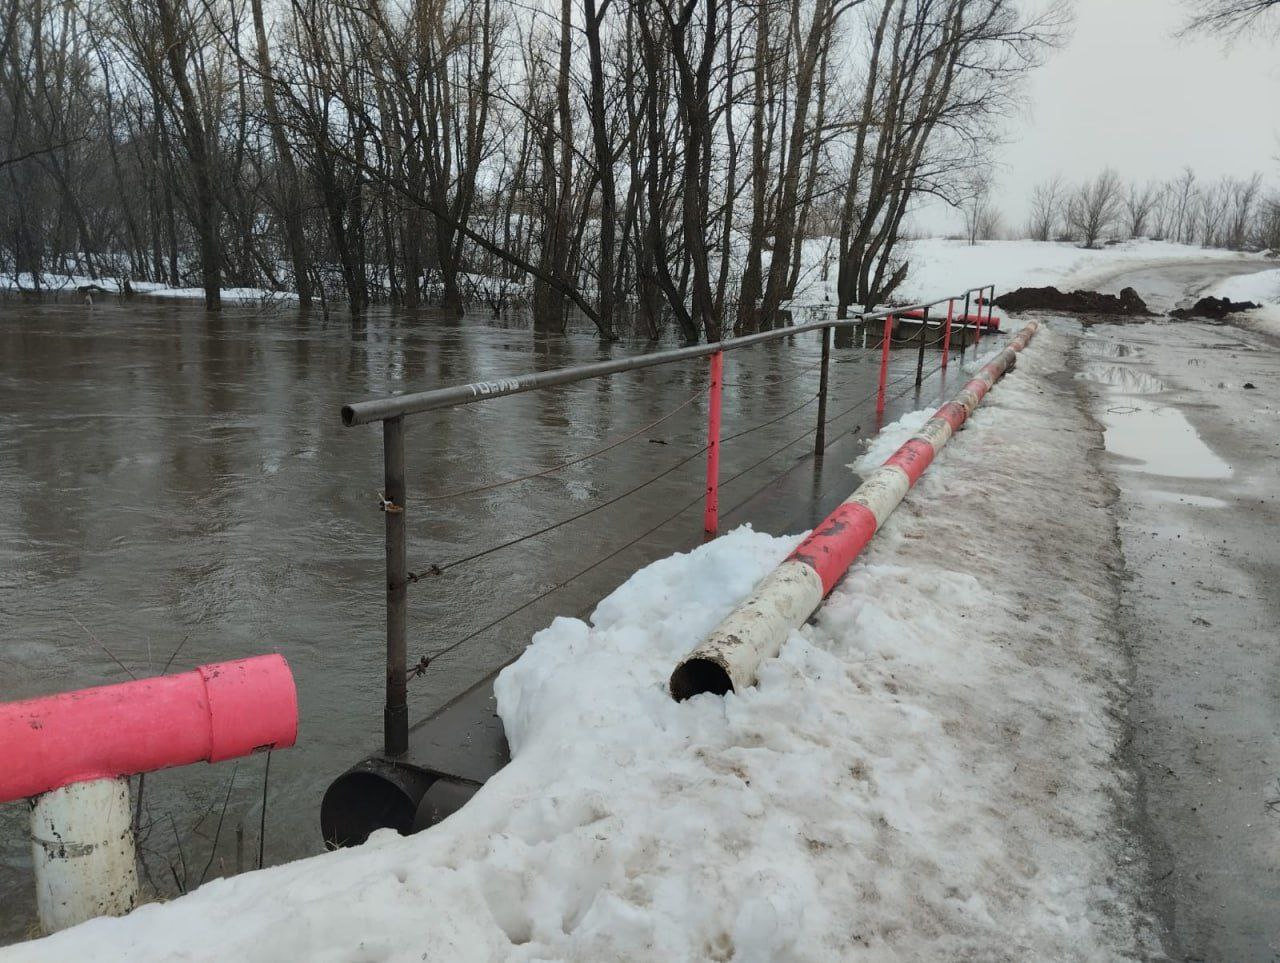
(170, 478)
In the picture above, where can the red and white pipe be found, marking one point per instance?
(73, 753)
(729, 658)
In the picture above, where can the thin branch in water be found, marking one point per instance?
(217, 833)
(262, 825)
(102, 645)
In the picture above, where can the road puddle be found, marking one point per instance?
(1176, 498)
(1128, 379)
(1160, 440)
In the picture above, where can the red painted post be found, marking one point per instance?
(884, 363)
(946, 335)
(711, 516)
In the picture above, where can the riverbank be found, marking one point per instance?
(931, 769)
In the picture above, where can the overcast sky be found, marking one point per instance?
(1127, 92)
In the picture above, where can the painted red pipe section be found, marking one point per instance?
(946, 335)
(985, 320)
(212, 713)
(884, 363)
(729, 658)
(711, 514)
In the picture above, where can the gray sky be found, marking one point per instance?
(1126, 92)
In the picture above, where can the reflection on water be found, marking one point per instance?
(170, 478)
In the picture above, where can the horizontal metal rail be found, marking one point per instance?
(380, 409)
(394, 502)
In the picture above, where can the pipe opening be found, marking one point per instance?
(348, 415)
(696, 676)
(372, 795)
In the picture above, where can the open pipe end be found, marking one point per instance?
(696, 676)
(348, 415)
(374, 794)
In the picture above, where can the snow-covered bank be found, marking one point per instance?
(71, 284)
(1262, 288)
(941, 267)
(928, 771)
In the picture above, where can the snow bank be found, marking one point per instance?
(890, 439)
(71, 283)
(927, 771)
(1261, 288)
(942, 267)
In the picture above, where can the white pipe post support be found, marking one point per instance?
(82, 849)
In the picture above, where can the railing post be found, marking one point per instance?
(395, 715)
(964, 321)
(991, 305)
(924, 330)
(711, 515)
(820, 440)
(946, 334)
(977, 328)
(884, 362)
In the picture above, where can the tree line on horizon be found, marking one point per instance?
(666, 159)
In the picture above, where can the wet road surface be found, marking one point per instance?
(1195, 456)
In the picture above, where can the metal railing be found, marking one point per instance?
(391, 412)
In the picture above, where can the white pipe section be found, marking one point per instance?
(83, 852)
(728, 658)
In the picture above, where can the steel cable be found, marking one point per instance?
(421, 666)
(438, 569)
(572, 461)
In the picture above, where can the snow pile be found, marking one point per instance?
(941, 267)
(890, 439)
(927, 771)
(1261, 288)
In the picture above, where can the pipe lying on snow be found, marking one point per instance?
(728, 659)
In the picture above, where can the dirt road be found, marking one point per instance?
(1190, 415)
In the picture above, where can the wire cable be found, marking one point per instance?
(572, 461)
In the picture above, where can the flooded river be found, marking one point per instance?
(172, 481)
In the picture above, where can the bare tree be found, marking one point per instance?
(1139, 204)
(1229, 16)
(1095, 207)
(1048, 203)
(976, 206)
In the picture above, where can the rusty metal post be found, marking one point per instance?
(820, 440)
(964, 319)
(395, 714)
(924, 329)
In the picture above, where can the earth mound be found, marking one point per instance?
(1076, 302)
(1214, 308)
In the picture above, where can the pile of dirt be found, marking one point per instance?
(1076, 302)
(1214, 308)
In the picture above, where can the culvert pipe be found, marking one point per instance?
(729, 658)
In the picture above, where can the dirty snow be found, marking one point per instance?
(928, 771)
(1261, 288)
